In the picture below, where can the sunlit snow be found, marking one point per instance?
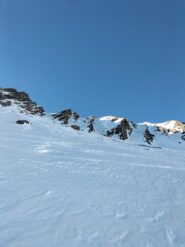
(64, 188)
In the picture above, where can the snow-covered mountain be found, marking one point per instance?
(110, 126)
(72, 181)
(169, 126)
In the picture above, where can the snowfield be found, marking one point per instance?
(64, 188)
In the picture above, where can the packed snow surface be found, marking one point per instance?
(64, 188)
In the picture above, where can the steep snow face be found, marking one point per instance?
(62, 187)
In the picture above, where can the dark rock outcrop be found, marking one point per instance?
(90, 125)
(22, 99)
(163, 130)
(22, 122)
(75, 127)
(65, 115)
(133, 124)
(122, 130)
(5, 103)
(149, 137)
(183, 136)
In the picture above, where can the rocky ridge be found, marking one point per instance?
(9, 96)
(110, 126)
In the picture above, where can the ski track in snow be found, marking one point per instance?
(63, 189)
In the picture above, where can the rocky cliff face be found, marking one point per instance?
(110, 126)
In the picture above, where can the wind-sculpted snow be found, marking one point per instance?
(65, 188)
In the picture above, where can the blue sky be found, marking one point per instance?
(99, 57)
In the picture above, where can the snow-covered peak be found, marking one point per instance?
(173, 126)
(170, 126)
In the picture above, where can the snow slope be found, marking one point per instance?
(64, 188)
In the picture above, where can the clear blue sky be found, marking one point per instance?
(100, 57)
